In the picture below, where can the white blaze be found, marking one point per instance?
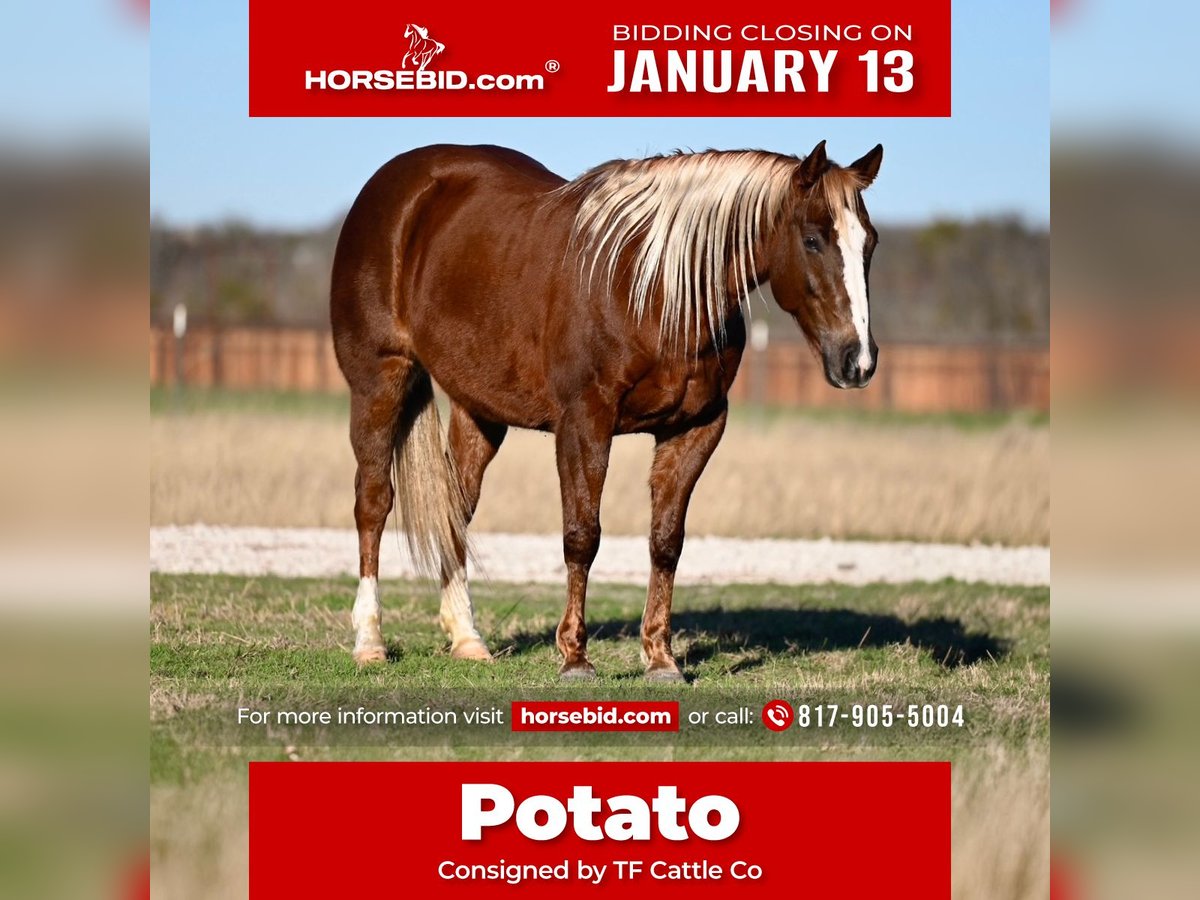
(851, 240)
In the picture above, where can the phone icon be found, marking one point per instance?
(777, 715)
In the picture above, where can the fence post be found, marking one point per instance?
(320, 337)
(760, 369)
(179, 330)
(996, 399)
(218, 356)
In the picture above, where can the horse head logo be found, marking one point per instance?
(421, 47)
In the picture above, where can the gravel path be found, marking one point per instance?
(318, 552)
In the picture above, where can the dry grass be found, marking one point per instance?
(201, 840)
(791, 477)
(1001, 826)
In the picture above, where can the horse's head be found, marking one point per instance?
(820, 259)
(414, 30)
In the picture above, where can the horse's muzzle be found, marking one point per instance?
(847, 366)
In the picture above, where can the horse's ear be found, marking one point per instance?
(867, 167)
(813, 166)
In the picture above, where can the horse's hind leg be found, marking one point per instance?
(375, 404)
(473, 444)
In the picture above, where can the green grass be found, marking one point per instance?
(220, 642)
(166, 401)
(958, 420)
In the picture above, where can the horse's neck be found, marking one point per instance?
(702, 340)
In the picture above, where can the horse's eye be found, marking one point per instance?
(812, 244)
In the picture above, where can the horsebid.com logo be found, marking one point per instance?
(421, 47)
(414, 74)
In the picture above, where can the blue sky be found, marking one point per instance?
(1125, 68)
(210, 161)
(73, 70)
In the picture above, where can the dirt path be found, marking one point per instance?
(320, 552)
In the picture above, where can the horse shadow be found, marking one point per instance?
(756, 634)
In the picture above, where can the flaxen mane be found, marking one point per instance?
(696, 220)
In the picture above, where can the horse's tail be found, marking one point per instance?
(428, 493)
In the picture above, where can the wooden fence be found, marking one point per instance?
(911, 377)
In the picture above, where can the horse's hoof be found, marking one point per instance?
(665, 674)
(370, 655)
(473, 648)
(584, 671)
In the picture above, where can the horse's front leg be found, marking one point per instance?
(679, 459)
(582, 444)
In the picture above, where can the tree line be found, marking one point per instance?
(946, 280)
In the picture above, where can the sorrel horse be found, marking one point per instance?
(611, 304)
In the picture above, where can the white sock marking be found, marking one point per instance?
(457, 614)
(366, 615)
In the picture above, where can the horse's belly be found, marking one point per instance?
(496, 386)
(667, 399)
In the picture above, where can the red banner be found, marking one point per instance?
(847, 830)
(383, 58)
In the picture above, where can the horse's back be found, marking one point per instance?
(451, 165)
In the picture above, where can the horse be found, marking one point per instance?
(421, 48)
(611, 304)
